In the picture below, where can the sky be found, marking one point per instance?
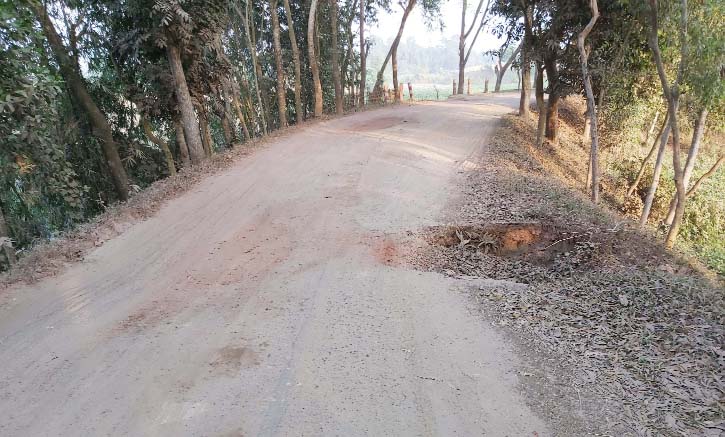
(387, 26)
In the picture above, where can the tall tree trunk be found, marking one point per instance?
(655, 177)
(552, 118)
(206, 139)
(462, 53)
(394, 66)
(240, 116)
(649, 156)
(255, 75)
(552, 112)
(672, 95)
(335, 58)
(186, 107)
(526, 63)
(363, 67)
(6, 243)
(181, 141)
(348, 77)
(299, 115)
(691, 158)
(261, 78)
(462, 47)
(379, 81)
(540, 104)
(281, 94)
(227, 131)
(314, 66)
(502, 69)
(591, 104)
(75, 82)
(651, 129)
(168, 156)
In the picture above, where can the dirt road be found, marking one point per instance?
(270, 300)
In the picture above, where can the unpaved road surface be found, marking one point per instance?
(271, 300)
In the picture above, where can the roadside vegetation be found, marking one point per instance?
(651, 76)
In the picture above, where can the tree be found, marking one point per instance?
(76, 84)
(463, 54)
(363, 53)
(314, 65)
(281, 94)
(256, 76)
(591, 107)
(296, 59)
(335, 58)
(501, 69)
(672, 96)
(407, 9)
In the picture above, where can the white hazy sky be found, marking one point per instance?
(387, 26)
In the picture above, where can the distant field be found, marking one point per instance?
(442, 92)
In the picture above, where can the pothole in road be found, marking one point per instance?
(491, 238)
(537, 243)
(378, 123)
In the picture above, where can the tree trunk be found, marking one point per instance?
(526, 63)
(314, 66)
(255, 75)
(75, 82)
(462, 53)
(502, 69)
(552, 118)
(348, 77)
(231, 89)
(651, 129)
(672, 96)
(540, 104)
(379, 81)
(335, 58)
(261, 78)
(227, 131)
(394, 66)
(206, 139)
(462, 48)
(281, 94)
(363, 67)
(690, 163)
(181, 141)
(162, 145)
(299, 114)
(591, 105)
(552, 113)
(186, 107)
(649, 156)
(240, 115)
(6, 243)
(655, 177)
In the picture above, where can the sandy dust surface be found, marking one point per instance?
(271, 300)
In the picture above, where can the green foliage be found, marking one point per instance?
(703, 226)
